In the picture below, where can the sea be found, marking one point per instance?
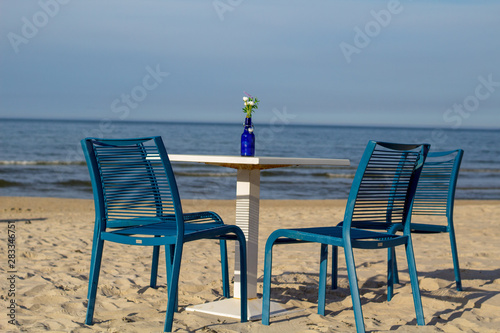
(43, 158)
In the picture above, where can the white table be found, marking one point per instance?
(247, 218)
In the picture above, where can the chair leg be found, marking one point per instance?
(95, 241)
(392, 255)
(154, 267)
(266, 292)
(391, 272)
(322, 279)
(417, 300)
(95, 268)
(243, 276)
(174, 266)
(335, 267)
(353, 285)
(454, 252)
(396, 273)
(169, 258)
(224, 269)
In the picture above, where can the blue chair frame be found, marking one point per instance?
(137, 203)
(435, 196)
(382, 192)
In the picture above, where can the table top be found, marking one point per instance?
(256, 162)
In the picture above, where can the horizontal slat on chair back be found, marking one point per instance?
(433, 188)
(382, 194)
(134, 186)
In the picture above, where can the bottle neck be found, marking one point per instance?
(248, 122)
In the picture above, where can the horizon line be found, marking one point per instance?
(231, 123)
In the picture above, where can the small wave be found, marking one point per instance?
(340, 175)
(42, 163)
(482, 188)
(6, 183)
(76, 183)
(480, 170)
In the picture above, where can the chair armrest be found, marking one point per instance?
(206, 216)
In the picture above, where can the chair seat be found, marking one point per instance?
(372, 225)
(165, 233)
(165, 229)
(365, 239)
(428, 228)
(422, 228)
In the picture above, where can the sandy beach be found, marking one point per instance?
(52, 246)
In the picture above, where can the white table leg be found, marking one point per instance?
(247, 218)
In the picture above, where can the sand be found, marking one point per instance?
(53, 239)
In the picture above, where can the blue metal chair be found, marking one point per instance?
(435, 196)
(137, 203)
(382, 192)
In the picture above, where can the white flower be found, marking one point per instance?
(251, 103)
(245, 99)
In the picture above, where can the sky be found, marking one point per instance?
(336, 62)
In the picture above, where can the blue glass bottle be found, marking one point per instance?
(248, 139)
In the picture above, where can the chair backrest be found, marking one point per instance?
(132, 181)
(384, 185)
(438, 181)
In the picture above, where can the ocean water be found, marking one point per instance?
(44, 157)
